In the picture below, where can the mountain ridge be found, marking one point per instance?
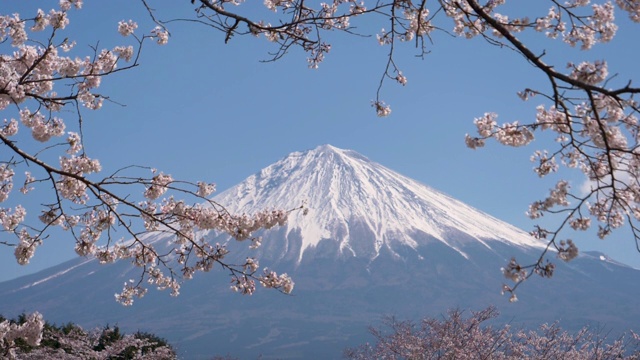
(343, 186)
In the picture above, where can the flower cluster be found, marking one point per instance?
(513, 271)
(161, 35)
(243, 285)
(128, 293)
(382, 109)
(511, 134)
(419, 23)
(41, 128)
(581, 223)
(585, 30)
(270, 279)
(589, 73)
(552, 119)
(632, 7)
(10, 128)
(126, 28)
(185, 222)
(6, 181)
(273, 5)
(9, 220)
(29, 331)
(26, 247)
(464, 25)
(205, 189)
(567, 250)
(401, 79)
(557, 196)
(71, 185)
(159, 185)
(545, 165)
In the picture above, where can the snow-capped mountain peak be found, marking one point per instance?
(346, 192)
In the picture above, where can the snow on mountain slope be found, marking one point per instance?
(341, 187)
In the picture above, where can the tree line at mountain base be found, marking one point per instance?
(29, 337)
(456, 335)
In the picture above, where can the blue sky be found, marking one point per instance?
(201, 109)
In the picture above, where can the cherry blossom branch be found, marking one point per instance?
(595, 144)
(536, 60)
(91, 211)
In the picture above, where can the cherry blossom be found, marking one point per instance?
(29, 331)
(474, 335)
(126, 28)
(161, 35)
(381, 108)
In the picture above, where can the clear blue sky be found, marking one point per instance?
(201, 109)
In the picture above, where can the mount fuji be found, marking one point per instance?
(362, 207)
(373, 243)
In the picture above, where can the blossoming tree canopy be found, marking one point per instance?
(29, 337)
(47, 86)
(460, 335)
